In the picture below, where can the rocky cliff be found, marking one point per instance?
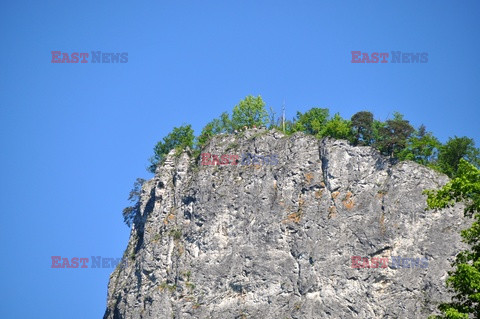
(276, 241)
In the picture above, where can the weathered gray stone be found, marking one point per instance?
(276, 241)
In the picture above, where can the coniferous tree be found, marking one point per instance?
(394, 135)
(130, 212)
(362, 127)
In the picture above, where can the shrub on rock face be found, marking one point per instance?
(179, 138)
(216, 126)
(464, 280)
(130, 212)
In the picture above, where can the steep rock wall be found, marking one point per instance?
(276, 241)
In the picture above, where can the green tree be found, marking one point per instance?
(362, 127)
(377, 127)
(178, 139)
(312, 121)
(464, 280)
(422, 147)
(130, 212)
(453, 151)
(207, 133)
(337, 128)
(394, 135)
(223, 124)
(249, 112)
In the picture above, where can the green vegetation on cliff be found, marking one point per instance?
(464, 280)
(395, 138)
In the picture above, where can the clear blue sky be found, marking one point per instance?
(75, 136)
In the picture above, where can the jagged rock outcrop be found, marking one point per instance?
(276, 241)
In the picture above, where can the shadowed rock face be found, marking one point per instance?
(276, 241)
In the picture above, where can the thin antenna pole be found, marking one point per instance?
(283, 116)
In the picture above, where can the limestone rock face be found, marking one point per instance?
(276, 241)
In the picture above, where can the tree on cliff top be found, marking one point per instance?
(313, 121)
(453, 151)
(362, 127)
(422, 147)
(249, 112)
(178, 139)
(394, 135)
(214, 127)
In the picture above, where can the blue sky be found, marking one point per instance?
(75, 136)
